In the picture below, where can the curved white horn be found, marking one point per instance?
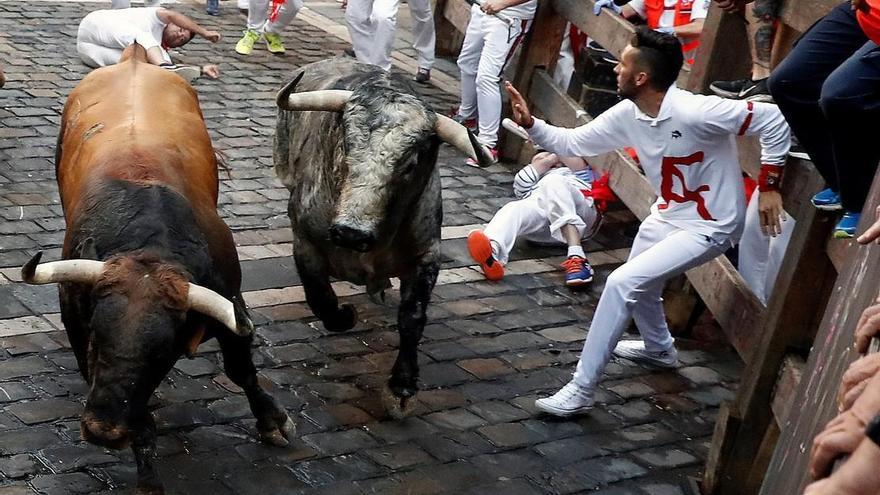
(327, 100)
(458, 136)
(212, 304)
(84, 271)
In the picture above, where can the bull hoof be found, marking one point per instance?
(344, 319)
(397, 407)
(279, 435)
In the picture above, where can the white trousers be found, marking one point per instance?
(488, 44)
(660, 251)
(372, 24)
(554, 203)
(258, 15)
(760, 255)
(124, 4)
(565, 63)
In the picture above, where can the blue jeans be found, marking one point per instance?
(828, 88)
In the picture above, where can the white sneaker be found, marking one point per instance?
(634, 350)
(570, 400)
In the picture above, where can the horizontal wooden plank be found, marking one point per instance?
(786, 386)
(733, 304)
(801, 14)
(610, 30)
(458, 13)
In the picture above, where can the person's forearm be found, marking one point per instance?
(185, 22)
(155, 55)
(690, 30)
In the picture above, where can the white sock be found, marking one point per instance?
(576, 251)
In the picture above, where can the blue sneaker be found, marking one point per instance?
(846, 227)
(827, 200)
(212, 7)
(577, 271)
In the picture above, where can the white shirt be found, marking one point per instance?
(118, 28)
(699, 10)
(523, 11)
(688, 153)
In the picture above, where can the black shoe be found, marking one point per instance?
(743, 89)
(422, 76)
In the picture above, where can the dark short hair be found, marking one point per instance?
(659, 55)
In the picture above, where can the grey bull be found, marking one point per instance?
(357, 148)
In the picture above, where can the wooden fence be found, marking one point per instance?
(774, 340)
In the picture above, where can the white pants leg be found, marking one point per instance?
(553, 204)
(760, 255)
(286, 15)
(423, 31)
(469, 61)
(385, 22)
(565, 62)
(667, 252)
(361, 28)
(96, 55)
(258, 13)
(487, 55)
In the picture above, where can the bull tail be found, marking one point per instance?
(134, 51)
(288, 88)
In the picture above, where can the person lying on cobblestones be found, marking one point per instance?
(104, 34)
(685, 143)
(555, 204)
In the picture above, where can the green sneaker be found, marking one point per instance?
(246, 44)
(274, 42)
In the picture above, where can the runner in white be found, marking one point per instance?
(554, 205)
(267, 19)
(104, 34)
(371, 26)
(495, 30)
(685, 143)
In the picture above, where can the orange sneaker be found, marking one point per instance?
(481, 251)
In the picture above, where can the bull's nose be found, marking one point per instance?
(352, 237)
(103, 433)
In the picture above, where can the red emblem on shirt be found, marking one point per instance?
(669, 170)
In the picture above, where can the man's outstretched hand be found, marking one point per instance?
(521, 114)
(212, 36)
(211, 70)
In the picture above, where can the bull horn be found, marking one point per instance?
(462, 139)
(210, 303)
(327, 100)
(200, 299)
(83, 271)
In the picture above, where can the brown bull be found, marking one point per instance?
(149, 269)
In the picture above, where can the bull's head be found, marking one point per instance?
(388, 137)
(139, 327)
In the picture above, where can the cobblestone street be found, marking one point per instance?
(489, 350)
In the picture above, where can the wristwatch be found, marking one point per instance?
(872, 431)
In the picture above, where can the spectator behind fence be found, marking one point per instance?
(761, 23)
(494, 31)
(554, 205)
(104, 34)
(686, 148)
(680, 18)
(856, 430)
(828, 88)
